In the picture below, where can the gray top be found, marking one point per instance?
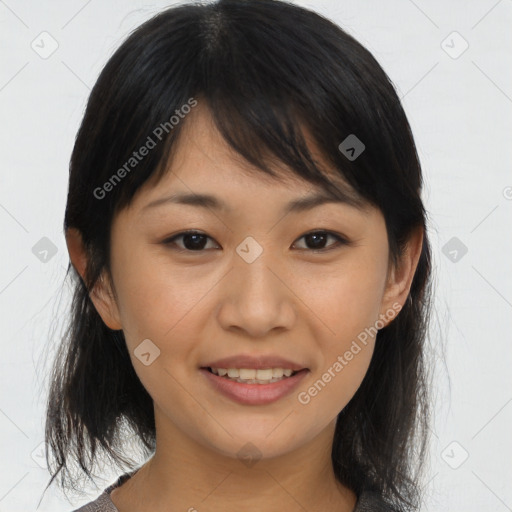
(367, 502)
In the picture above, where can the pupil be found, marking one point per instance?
(194, 246)
(315, 237)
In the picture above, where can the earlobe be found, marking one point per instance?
(105, 303)
(101, 295)
(401, 277)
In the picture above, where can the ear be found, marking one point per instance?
(400, 277)
(101, 294)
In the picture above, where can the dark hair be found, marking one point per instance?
(267, 70)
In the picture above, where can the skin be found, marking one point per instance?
(198, 306)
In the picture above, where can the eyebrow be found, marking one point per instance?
(297, 205)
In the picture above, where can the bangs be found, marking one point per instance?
(274, 140)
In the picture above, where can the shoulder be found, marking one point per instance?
(370, 501)
(103, 503)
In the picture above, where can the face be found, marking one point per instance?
(307, 286)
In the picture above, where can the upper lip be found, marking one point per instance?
(254, 362)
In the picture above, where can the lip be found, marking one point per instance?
(254, 362)
(254, 394)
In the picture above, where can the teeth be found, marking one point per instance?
(250, 375)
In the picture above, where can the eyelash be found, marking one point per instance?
(340, 241)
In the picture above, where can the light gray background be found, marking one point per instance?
(460, 109)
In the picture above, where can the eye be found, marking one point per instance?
(317, 240)
(192, 240)
(197, 241)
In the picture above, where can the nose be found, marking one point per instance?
(257, 298)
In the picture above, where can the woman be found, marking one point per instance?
(251, 268)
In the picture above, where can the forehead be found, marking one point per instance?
(203, 161)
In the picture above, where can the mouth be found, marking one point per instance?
(253, 376)
(251, 390)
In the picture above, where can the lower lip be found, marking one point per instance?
(254, 394)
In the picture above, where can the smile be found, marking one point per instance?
(245, 386)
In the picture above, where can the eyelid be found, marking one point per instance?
(340, 240)
(170, 240)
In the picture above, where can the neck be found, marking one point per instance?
(184, 475)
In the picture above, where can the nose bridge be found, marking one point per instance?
(253, 265)
(256, 300)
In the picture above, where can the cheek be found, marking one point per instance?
(153, 296)
(156, 303)
(345, 298)
(344, 354)
(347, 303)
